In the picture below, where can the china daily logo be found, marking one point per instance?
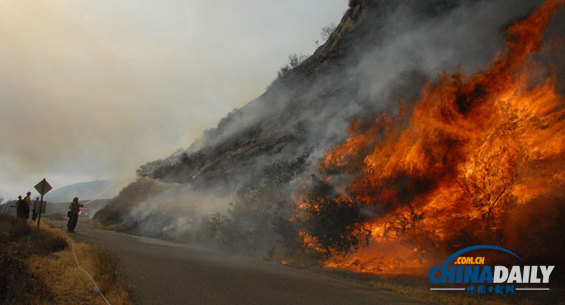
(478, 278)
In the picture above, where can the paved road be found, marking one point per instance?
(161, 272)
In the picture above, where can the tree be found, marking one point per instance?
(294, 60)
(353, 3)
(490, 176)
(404, 222)
(327, 31)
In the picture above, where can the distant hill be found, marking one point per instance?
(63, 207)
(98, 189)
(94, 193)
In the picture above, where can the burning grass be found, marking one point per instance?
(38, 267)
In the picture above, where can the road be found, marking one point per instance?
(161, 272)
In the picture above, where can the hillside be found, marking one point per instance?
(236, 186)
(84, 190)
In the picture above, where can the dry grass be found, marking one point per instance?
(108, 276)
(69, 285)
(39, 268)
(18, 241)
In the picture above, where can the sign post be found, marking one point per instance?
(42, 187)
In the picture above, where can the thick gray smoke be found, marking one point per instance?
(248, 168)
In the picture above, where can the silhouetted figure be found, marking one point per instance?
(27, 205)
(20, 207)
(74, 209)
(36, 209)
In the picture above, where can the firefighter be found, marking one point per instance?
(74, 209)
(20, 207)
(27, 205)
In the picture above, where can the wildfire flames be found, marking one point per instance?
(446, 172)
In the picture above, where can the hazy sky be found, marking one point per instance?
(93, 89)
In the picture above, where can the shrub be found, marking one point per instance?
(19, 240)
(327, 31)
(353, 3)
(336, 224)
(50, 243)
(17, 284)
(294, 60)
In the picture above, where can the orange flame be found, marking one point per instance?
(446, 173)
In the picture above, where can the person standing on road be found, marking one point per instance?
(74, 209)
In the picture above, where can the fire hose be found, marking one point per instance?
(96, 287)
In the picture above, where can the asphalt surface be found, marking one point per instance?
(161, 272)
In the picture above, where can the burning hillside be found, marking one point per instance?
(466, 165)
(476, 156)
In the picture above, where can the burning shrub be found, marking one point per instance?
(474, 154)
(333, 223)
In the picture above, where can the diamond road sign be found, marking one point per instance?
(43, 187)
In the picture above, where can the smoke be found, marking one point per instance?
(93, 90)
(188, 205)
(408, 49)
(375, 59)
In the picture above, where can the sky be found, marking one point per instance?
(94, 89)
